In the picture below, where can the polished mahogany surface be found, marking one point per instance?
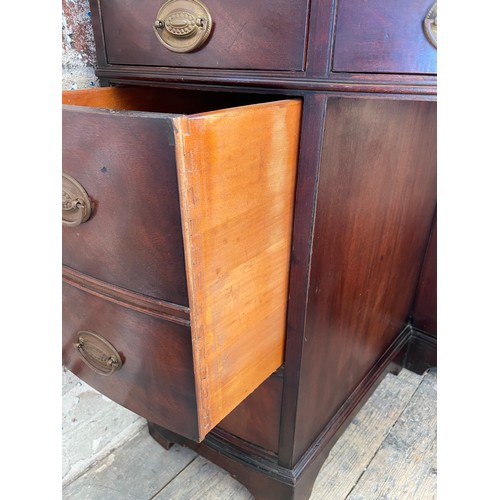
(376, 199)
(156, 379)
(263, 34)
(383, 37)
(123, 159)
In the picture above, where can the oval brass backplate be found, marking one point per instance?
(431, 26)
(98, 353)
(76, 205)
(183, 25)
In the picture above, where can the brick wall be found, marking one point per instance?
(78, 48)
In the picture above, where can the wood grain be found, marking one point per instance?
(355, 449)
(262, 34)
(122, 474)
(383, 37)
(349, 460)
(236, 172)
(156, 380)
(202, 479)
(92, 427)
(160, 100)
(123, 158)
(408, 452)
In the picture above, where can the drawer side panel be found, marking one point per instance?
(237, 172)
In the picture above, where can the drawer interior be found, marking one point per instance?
(161, 100)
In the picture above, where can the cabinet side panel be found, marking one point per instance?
(236, 179)
(376, 199)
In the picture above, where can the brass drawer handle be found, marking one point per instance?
(431, 25)
(98, 353)
(76, 205)
(183, 25)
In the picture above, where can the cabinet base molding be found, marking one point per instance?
(261, 473)
(263, 477)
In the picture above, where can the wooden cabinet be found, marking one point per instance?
(262, 206)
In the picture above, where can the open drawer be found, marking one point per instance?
(176, 245)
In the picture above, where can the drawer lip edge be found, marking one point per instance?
(126, 298)
(81, 108)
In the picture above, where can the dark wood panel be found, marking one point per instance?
(263, 34)
(156, 380)
(383, 37)
(257, 418)
(313, 114)
(425, 309)
(376, 198)
(126, 163)
(319, 47)
(416, 87)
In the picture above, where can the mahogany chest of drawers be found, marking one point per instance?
(249, 221)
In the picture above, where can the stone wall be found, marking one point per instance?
(78, 48)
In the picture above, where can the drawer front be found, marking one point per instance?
(156, 377)
(386, 36)
(260, 35)
(133, 238)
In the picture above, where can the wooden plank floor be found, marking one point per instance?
(387, 452)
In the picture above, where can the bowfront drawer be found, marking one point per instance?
(176, 247)
(156, 377)
(385, 36)
(125, 163)
(227, 34)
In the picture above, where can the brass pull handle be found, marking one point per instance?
(76, 205)
(183, 25)
(97, 353)
(431, 25)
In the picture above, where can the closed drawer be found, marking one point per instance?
(156, 379)
(257, 35)
(385, 36)
(182, 217)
